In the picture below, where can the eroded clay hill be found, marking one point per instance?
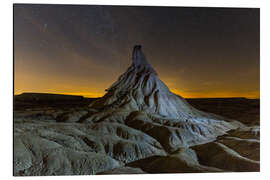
(138, 126)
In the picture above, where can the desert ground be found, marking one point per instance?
(35, 112)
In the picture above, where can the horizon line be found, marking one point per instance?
(76, 94)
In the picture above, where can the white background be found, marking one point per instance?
(6, 86)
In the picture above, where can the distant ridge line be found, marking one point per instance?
(53, 94)
(70, 95)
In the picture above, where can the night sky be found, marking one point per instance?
(81, 50)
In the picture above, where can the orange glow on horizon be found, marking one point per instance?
(92, 87)
(255, 95)
(84, 94)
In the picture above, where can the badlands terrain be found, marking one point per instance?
(138, 126)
